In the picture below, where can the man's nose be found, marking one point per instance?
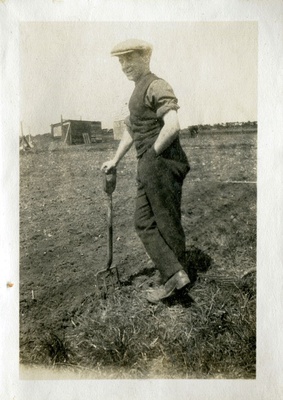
(124, 63)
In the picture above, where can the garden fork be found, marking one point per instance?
(108, 277)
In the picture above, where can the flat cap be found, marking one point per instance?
(128, 46)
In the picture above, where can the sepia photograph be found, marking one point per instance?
(141, 201)
(138, 199)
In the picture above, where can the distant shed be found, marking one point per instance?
(72, 131)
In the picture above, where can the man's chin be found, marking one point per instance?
(130, 77)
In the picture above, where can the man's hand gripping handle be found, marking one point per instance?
(109, 183)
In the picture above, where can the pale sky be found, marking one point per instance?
(66, 68)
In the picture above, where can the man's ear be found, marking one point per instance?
(146, 56)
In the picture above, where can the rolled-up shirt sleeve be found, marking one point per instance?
(161, 98)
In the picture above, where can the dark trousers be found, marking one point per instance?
(158, 208)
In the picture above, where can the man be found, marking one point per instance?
(153, 128)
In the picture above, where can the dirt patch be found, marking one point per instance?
(63, 230)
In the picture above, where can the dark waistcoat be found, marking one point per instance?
(144, 123)
(146, 126)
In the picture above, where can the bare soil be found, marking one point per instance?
(63, 228)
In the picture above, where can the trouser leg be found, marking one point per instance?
(158, 213)
(157, 248)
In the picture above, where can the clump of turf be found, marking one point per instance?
(212, 336)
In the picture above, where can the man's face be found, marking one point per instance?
(134, 65)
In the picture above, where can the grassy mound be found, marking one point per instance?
(206, 332)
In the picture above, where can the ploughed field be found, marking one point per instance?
(207, 331)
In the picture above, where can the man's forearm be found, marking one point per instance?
(168, 133)
(124, 146)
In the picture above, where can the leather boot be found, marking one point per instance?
(177, 281)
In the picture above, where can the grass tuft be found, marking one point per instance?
(210, 336)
